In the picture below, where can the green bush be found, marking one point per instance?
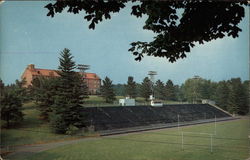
(58, 124)
(71, 130)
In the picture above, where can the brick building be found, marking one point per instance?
(92, 80)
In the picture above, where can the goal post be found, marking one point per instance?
(210, 134)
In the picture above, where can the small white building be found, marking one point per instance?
(207, 101)
(156, 104)
(127, 102)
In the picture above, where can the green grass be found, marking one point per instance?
(230, 143)
(31, 130)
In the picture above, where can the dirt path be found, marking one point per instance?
(27, 150)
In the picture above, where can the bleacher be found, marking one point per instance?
(108, 118)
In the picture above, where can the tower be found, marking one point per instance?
(83, 67)
(152, 76)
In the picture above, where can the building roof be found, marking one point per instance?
(44, 72)
(91, 76)
(54, 73)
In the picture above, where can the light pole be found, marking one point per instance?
(151, 75)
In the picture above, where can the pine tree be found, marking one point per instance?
(107, 90)
(145, 88)
(130, 88)
(70, 92)
(44, 90)
(10, 108)
(170, 91)
(20, 92)
(119, 89)
(159, 90)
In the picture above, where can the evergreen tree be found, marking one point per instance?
(44, 90)
(130, 88)
(1, 88)
(222, 95)
(107, 90)
(170, 91)
(159, 90)
(10, 108)
(207, 89)
(20, 92)
(69, 95)
(145, 88)
(119, 89)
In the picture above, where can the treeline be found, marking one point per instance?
(231, 95)
(60, 100)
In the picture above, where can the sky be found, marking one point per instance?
(28, 36)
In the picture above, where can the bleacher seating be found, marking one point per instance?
(106, 118)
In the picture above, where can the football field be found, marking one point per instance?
(197, 142)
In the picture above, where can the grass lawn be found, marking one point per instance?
(31, 130)
(230, 143)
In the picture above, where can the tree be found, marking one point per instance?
(178, 94)
(222, 95)
(178, 25)
(181, 93)
(11, 108)
(192, 89)
(44, 90)
(119, 89)
(170, 91)
(10, 104)
(1, 88)
(107, 91)
(145, 88)
(237, 97)
(159, 90)
(205, 88)
(18, 90)
(212, 90)
(246, 85)
(69, 95)
(130, 88)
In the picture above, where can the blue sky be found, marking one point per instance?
(28, 36)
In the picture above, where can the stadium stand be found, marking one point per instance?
(108, 118)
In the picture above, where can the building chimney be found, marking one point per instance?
(31, 66)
